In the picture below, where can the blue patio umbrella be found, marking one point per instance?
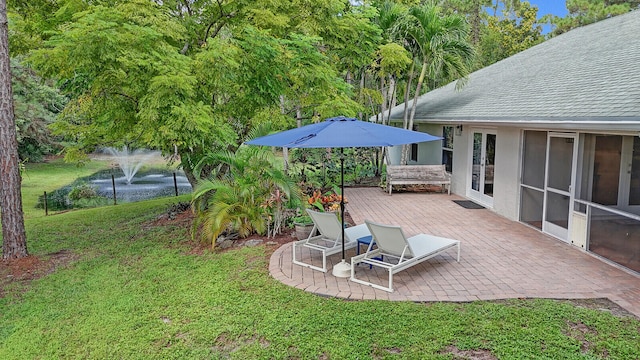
(342, 132)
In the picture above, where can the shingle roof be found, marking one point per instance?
(587, 75)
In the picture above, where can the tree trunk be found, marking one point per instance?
(282, 108)
(391, 92)
(14, 238)
(405, 148)
(285, 151)
(417, 95)
(475, 23)
(383, 105)
(405, 113)
(361, 96)
(187, 167)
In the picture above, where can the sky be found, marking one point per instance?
(555, 7)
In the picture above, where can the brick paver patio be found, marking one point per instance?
(500, 258)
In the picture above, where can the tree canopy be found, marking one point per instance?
(189, 77)
(585, 12)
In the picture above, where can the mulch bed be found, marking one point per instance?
(32, 267)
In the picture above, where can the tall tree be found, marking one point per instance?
(441, 43)
(129, 84)
(516, 30)
(387, 57)
(14, 238)
(474, 10)
(197, 75)
(584, 12)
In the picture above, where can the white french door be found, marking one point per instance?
(483, 156)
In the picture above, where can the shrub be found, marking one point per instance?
(252, 195)
(83, 191)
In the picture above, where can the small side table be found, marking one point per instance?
(365, 240)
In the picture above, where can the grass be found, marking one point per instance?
(135, 291)
(40, 177)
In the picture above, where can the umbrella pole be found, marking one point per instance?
(342, 197)
(343, 269)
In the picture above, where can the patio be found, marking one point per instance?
(500, 258)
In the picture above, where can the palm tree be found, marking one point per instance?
(388, 14)
(440, 42)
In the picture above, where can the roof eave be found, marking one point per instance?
(631, 123)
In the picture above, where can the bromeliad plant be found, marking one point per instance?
(328, 201)
(248, 193)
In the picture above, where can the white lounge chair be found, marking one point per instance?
(329, 238)
(396, 253)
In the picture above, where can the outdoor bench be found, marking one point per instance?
(418, 175)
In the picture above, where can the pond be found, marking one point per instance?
(98, 189)
(141, 187)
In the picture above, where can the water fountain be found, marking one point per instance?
(128, 188)
(130, 161)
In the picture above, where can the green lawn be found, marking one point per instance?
(40, 177)
(135, 291)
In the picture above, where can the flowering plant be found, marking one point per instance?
(329, 201)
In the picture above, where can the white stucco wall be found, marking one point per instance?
(507, 169)
(459, 178)
(394, 154)
(507, 164)
(429, 153)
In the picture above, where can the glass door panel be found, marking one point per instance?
(482, 166)
(634, 186)
(560, 163)
(477, 160)
(489, 164)
(558, 210)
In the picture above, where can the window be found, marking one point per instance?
(447, 147)
(414, 147)
(414, 152)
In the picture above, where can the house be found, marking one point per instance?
(550, 137)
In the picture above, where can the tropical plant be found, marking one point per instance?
(79, 194)
(440, 43)
(302, 220)
(248, 193)
(327, 201)
(85, 195)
